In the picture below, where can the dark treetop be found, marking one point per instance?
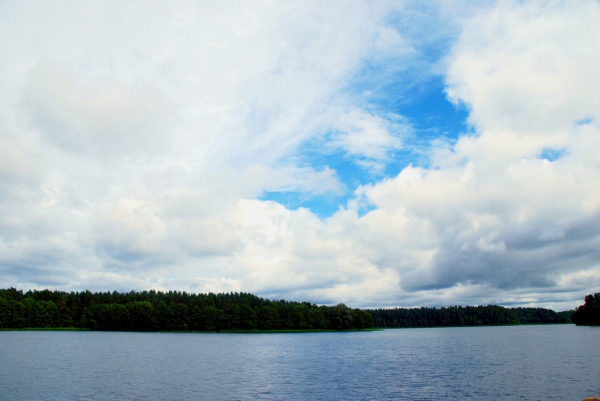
(589, 312)
(465, 316)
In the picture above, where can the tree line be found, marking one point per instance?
(465, 316)
(173, 310)
(589, 312)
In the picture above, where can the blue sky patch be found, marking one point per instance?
(552, 154)
(402, 88)
(425, 108)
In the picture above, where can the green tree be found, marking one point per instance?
(181, 317)
(141, 313)
(164, 316)
(213, 318)
(5, 313)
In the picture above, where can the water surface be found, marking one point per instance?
(476, 363)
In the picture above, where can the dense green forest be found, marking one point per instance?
(589, 312)
(465, 316)
(155, 310)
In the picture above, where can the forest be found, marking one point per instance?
(465, 316)
(589, 312)
(173, 310)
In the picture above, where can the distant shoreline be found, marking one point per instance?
(192, 331)
(277, 331)
(176, 311)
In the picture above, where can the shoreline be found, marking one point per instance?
(276, 331)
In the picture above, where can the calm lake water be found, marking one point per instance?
(477, 363)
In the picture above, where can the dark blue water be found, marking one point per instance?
(499, 363)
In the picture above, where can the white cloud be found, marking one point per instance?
(527, 73)
(531, 68)
(368, 137)
(99, 116)
(136, 139)
(132, 132)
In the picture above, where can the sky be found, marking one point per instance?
(375, 153)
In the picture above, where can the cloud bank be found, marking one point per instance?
(137, 143)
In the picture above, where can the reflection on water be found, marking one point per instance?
(478, 363)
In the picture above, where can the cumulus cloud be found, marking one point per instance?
(528, 68)
(136, 141)
(498, 213)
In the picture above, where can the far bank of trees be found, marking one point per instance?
(173, 310)
(465, 316)
(589, 312)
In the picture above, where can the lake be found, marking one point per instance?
(475, 363)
